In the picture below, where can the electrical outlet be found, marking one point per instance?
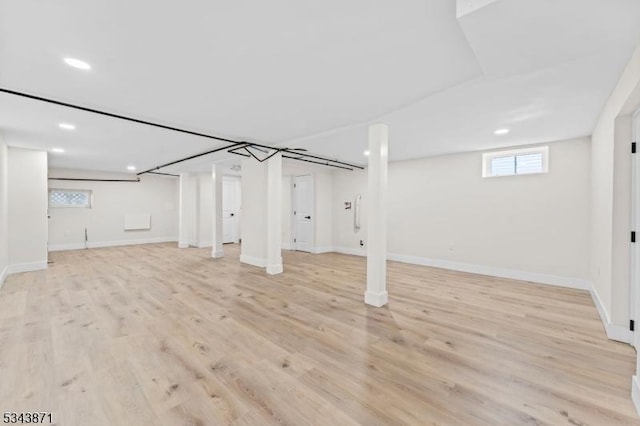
(361, 243)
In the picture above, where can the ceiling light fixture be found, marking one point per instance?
(67, 126)
(57, 150)
(366, 153)
(501, 131)
(77, 63)
(131, 168)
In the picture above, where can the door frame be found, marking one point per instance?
(634, 275)
(294, 204)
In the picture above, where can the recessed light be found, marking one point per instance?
(501, 131)
(131, 168)
(366, 153)
(67, 126)
(77, 63)
(58, 150)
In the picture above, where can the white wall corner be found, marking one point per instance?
(183, 245)
(287, 246)
(217, 254)
(26, 267)
(254, 261)
(205, 244)
(376, 299)
(619, 333)
(635, 392)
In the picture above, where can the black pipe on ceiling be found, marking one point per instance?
(300, 156)
(109, 114)
(95, 180)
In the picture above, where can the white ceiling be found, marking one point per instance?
(307, 74)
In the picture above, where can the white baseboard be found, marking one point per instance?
(616, 332)
(376, 299)
(560, 281)
(350, 250)
(569, 282)
(254, 261)
(274, 269)
(619, 333)
(635, 393)
(287, 246)
(205, 244)
(64, 247)
(117, 243)
(217, 254)
(320, 250)
(26, 267)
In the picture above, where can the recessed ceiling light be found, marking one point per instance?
(131, 168)
(366, 153)
(501, 131)
(77, 63)
(67, 126)
(57, 150)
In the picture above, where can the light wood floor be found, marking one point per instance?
(154, 335)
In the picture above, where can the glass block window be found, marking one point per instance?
(69, 198)
(516, 162)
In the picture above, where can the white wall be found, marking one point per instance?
(287, 208)
(205, 210)
(610, 191)
(27, 209)
(442, 212)
(621, 222)
(323, 190)
(346, 185)
(104, 221)
(192, 208)
(4, 230)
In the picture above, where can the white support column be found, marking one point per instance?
(183, 212)
(262, 213)
(274, 215)
(216, 212)
(376, 294)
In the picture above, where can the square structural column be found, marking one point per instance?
(183, 211)
(216, 212)
(274, 215)
(376, 294)
(262, 213)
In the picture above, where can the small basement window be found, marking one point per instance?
(525, 161)
(70, 198)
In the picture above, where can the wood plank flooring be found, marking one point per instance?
(155, 335)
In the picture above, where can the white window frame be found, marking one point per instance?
(487, 157)
(70, 206)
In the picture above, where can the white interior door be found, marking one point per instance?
(303, 212)
(230, 209)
